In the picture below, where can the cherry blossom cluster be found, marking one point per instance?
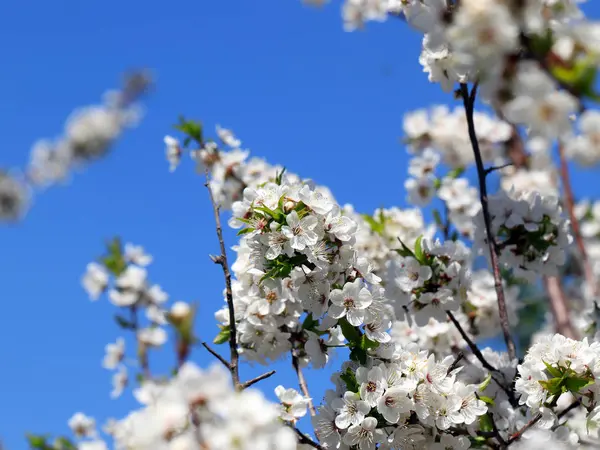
(231, 171)
(530, 232)
(296, 256)
(556, 365)
(410, 399)
(445, 132)
(88, 135)
(480, 40)
(196, 409)
(123, 275)
(431, 280)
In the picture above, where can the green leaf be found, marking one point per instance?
(485, 423)
(576, 384)
(192, 129)
(438, 218)
(64, 443)
(419, 250)
(38, 441)
(405, 251)
(223, 335)
(349, 378)
(486, 400)
(485, 383)
(377, 227)
(367, 344)
(456, 172)
(359, 355)
(310, 323)
(553, 386)
(350, 332)
(124, 323)
(279, 177)
(245, 231)
(554, 371)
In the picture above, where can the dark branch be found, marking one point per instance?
(216, 355)
(222, 261)
(304, 439)
(469, 103)
(249, 383)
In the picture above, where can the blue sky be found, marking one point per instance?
(287, 79)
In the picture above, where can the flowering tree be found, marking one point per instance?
(407, 303)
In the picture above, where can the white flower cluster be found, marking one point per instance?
(407, 401)
(480, 40)
(585, 147)
(530, 233)
(131, 291)
(231, 171)
(430, 281)
(89, 133)
(296, 256)
(194, 410)
(14, 197)
(446, 132)
(554, 366)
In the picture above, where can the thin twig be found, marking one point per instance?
(526, 427)
(222, 261)
(216, 355)
(495, 168)
(568, 409)
(469, 102)
(474, 349)
(304, 439)
(302, 383)
(454, 365)
(559, 308)
(570, 205)
(497, 434)
(249, 383)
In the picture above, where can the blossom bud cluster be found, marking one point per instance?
(530, 233)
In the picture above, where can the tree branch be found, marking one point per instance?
(570, 205)
(559, 308)
(249, 383)
(302, 383)
(304, 439)
(216, 355)
(222, 261)
(474, 349)
(469, 102)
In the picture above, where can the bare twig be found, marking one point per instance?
(474, 349)
(302, 383)
(570, 205)
(516, 436)
(454, 364)
(249, 383)
(568, 409)
(304, 439)
(216, 355)
(222, 261)
(495, 168)
(559, 308)
(469, 102)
